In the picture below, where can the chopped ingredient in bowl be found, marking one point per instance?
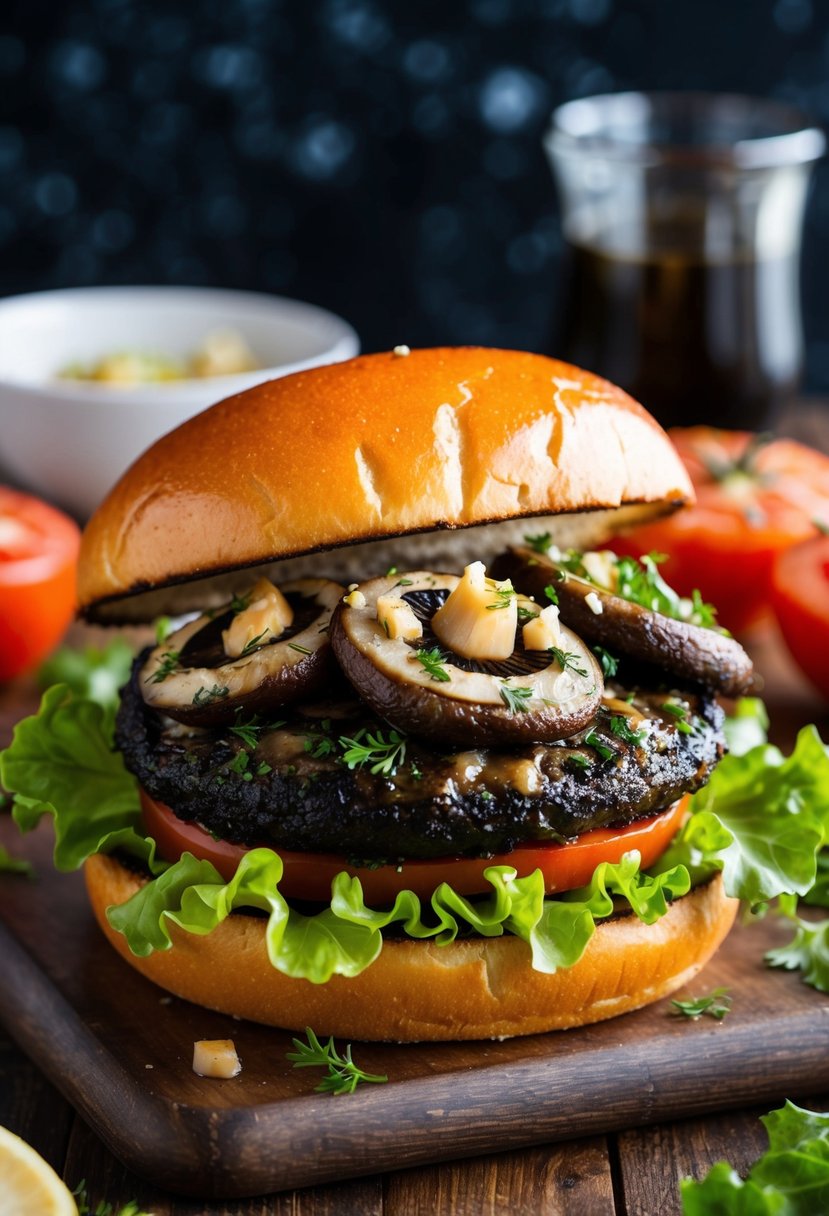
(224, 352)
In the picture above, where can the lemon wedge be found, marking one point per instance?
(28, 1185)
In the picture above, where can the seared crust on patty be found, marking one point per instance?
(290, 786)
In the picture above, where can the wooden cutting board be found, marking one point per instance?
(120, 1050)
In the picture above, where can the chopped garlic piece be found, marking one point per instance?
(266, 617)
(216, 1058)
(594, 603)
(355, 599)
(542, 631)
(480, 617)
(401, 351)
(398, 619)
(600, 565)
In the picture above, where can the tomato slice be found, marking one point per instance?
(800, 597)
(309, 875)
(752, 503)
(38, 557)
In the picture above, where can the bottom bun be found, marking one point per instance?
(479, 988)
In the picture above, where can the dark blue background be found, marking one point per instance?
(382, 159)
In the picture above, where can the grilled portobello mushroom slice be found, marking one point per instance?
(191, 676)
(421, 686)
(704, 655)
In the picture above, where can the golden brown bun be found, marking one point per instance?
(416, 991)
(379, 446)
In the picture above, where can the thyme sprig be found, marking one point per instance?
(342, 1075)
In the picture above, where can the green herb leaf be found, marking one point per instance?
(539, 543)
(168, 664)
(504, 596)
(640, 582)
(551, 593)
(516, 699)
(239, 603)
(249, 731)
(716, 1005)
(206, 696)
(609, 664)
(163, 629)
(381, 754)
(301, 649)
(342, 1076)
(317, 746)
(253, 644)
(433, 662)
(623, 730)
(568, 660)
(593, 739)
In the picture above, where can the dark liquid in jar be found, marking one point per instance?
(695, 341)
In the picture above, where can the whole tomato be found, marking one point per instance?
(800, 598)
(756, 497)
(38, 559)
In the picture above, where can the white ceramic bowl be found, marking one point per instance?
(69, 441)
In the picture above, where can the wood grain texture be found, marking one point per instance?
(554, 1180)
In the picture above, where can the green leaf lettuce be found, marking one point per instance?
(770, 820)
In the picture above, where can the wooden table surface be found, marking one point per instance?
(631, 1173)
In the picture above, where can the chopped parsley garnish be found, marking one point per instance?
(539, 543)
(415, 770)
(342, 1075)
(525, 613)
(391, 570)
(551, 593)
(241, 764)
(639, 582)
(717, 1005)
(680, 714)
(318, 746)
(403, 582)
(622, 730)
(169, 663)
(567, 660)
(206, 696)
(432, 662)
(579, 760)
(503, 597)
(253, 644)
(239, 603)
(381, 754)
(609, 663)
(592, 739)
(516, 699)
(301, 649)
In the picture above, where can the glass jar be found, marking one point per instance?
(682, 216)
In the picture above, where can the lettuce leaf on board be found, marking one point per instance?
(790, 1179)
(61, 762)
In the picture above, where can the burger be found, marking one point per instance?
(410, 754)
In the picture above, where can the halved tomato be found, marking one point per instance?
(309, 875)
(754, 499)
(38, 557)
(800, 597)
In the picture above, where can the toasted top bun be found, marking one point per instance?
(382, 446)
